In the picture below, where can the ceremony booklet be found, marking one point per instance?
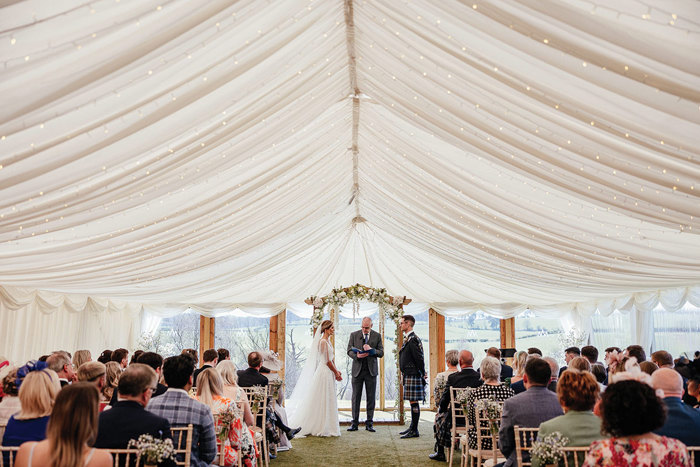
(370, 352)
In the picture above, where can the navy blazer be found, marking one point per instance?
(467, 378)
(251, 377)
(127, 420)
(682, 423)
(528, 409)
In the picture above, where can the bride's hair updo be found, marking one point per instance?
(326, 325)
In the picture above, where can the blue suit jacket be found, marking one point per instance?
(528, 409)
(682, 423)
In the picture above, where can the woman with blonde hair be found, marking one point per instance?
(37, 393)
(229, 378)
(519, 362)
(95, 373)
(210, 389)
(80, 357)
(71, 430)
(112, 373)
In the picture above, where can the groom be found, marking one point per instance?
(364, 371)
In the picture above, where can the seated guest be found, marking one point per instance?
(662, 359)
(491, 389)
(451, 362)
(105, 356)
(192, 354)
(631, 411)
(121, 356)
(519, 386)
(94, 372)
(69, 434)
(37, 392)
(570, 354)
(135, 356)
(10, 404)
(528, 409)
(519, 362)
(636, 351)
(60, 362)
(578, 392)
(648, 367)
(682, 421)
(181, 410)
(128, 418)
(210, 357)
(506, 371)
(251, 377)
(534, 351)
(210, 392)
(224, 354)
(467, 377)
(231, 390)
(80, 357)
(590, 353)
(611, 359)
(155, 361)
(600, 374)
(554, 366)
(112, 373)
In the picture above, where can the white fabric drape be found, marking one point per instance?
(509, 153)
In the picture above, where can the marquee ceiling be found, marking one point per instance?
(488, 152)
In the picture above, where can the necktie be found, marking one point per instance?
(366, 338)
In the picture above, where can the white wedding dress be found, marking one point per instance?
(314, 405)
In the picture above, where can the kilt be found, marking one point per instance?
(443, 428)
(413, 388)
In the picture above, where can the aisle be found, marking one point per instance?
(383, 448)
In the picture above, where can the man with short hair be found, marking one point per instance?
(534, 350)
(528, 409)
(637, 351)
(554, 366)
(60, 362)
(662, 358)
(224, 354)
(590, 353)
(412, 367)
(210, 357)
(506, 371)
(682, 421)
(569, 354)
(155, 361)
(181, 410)
(519, 386)
(467, 377)
(128, 417)
(121, 356)
(364, 371)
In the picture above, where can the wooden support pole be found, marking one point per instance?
(278, 340)
(436, 331)
(206, 335)
(508, 336)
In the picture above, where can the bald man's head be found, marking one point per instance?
(466, 358)
(669, 381)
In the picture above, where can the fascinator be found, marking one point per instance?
(270, 360)
(32, 365)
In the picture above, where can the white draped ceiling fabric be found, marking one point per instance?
(247, 154)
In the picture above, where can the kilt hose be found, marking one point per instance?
(413, 388)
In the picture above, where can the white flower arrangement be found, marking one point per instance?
(492, 409)
(549, 449)
(257, 397)
(153, 450)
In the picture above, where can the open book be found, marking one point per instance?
(370, 352)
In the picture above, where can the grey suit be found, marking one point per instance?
(527, 409)
(364, 372)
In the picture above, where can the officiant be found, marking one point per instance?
(365, 347)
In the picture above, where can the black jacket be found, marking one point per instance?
(467, 378)
(251, 377)
(197, 372)
(411, 359)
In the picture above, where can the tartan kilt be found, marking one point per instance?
(443, 428)
(413, 388)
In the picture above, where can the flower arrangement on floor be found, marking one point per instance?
(549, 449)
(153, 450)
(492, 409)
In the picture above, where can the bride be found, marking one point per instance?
(313, 405)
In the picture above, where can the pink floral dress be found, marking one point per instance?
(239, 437)
(662, 452)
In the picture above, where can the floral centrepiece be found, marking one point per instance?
(153, 450)
(549, 449)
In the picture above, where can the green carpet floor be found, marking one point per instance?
(362, 448)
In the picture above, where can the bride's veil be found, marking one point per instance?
(304, 384)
